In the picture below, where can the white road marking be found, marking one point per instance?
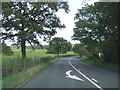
(72, 76)
(94, 80)
(85, 76)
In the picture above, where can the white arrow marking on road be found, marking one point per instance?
(72, 76)
(85, 76)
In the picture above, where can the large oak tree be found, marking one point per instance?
(26, 21)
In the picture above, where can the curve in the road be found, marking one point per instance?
(99, 87)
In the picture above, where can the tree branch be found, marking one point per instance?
(31, 45)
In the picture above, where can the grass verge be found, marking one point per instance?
(102, 64)
(18, 78)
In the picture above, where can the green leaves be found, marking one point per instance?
(96, 27)
(34, 16)
(30, 20)
(59, 45)
(6, 50)
(76, 48)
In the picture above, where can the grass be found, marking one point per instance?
(69, 53)
(12, 66)
(30, 54)
(102, 64)
(9, 62)
(0, 84)
(17, 79)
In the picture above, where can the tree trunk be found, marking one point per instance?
(23, 49)
(57, 53)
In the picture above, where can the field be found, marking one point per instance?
(15, 70)
(13, 64)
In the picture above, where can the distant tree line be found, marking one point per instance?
(37, 47)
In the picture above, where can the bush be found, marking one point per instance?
(84, 53)
(6, 50)
(17, 64)
(46, 59)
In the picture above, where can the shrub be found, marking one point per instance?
(17, 64)
(6, 50)
(84, 53)
(46, 59)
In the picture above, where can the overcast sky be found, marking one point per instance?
(68, 20)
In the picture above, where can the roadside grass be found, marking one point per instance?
(13, 71)
(30, 54)
(110, 66)
(13, 64)
(16, 79)
(0, 84)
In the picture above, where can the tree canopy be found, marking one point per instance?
(28, 21)
(96, 26)
(76, 48)
(59, 45)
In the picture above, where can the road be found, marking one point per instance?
(70, 72)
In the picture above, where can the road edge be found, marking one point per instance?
(33, 76)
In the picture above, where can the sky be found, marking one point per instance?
(68, 20)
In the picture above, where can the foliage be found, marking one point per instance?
(18, 78)
(96, 27)
(27, 21)
(84, 53)
(46, 59)
(14, 64)
(106, 65)
(76, 48)
(37, 47)
(58, 46)
(6, 50)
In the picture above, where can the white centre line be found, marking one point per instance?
(85, 76)
(94, 79)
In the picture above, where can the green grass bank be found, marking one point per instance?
(16, 71)
(102, 64)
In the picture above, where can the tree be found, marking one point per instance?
(6, 50)
(59, 45)
(97, 28)
(28, 21)
(76, 48)
(81, 50)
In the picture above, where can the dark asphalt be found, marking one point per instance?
(55, 76)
